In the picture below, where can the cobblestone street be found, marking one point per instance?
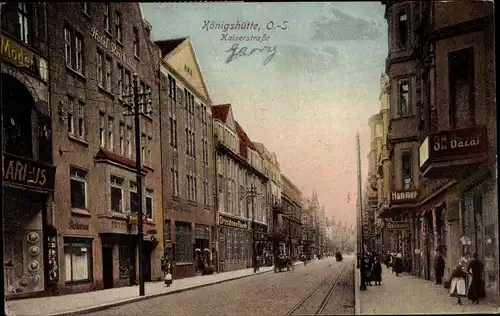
(411, 295)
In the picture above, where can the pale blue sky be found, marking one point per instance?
(308, 102)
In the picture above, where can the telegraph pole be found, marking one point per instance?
(254, 254)
(362, 287)
(138, 108)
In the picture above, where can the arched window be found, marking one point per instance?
(17, 117)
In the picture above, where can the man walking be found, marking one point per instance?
(439, 266)
(476, 288)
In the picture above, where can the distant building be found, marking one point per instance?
(291, 211)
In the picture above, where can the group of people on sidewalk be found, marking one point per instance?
(372, 269)
(465, 270)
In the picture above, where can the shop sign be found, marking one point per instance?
(235, 223)
(111, 47)
(108, 225)
(18, 55)
(73, 224)
(404, 196)
(454, 143)
(28, 173)
(398, 226)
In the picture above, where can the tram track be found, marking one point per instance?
(306, 305)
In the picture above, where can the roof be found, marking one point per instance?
(167, 46)
(220, 112)
(103, 154)
(244, 137)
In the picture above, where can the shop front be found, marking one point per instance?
(260, 239)
(202, 252)
(235, 243)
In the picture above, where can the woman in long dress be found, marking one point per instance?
(476, 287)
(457, 287)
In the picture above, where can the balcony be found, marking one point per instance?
(449, 154)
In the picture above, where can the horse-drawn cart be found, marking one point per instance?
(283, 262)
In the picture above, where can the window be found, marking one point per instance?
(68, 47)
(70, 118)
(111, 123)
(78, 259)
(173, 132)
(100, 72)
(80, 115)
(119, 80)
(108, 74)
(102, 140)
(127, 82)
(78, 187)
(149, 203)
(403, 28)
(136, 42)
(206, 192)
(118, 27)
(184, 247)
(25, 22)
(143, 148)
(78, 53)
(195, 188)
(116, 194)
(106, 18)
(73, 49)
(122, 138)
(149, 157)
(129, 141)
(407, 170)
(134, 198)
(461, 81)
(167, 231)
(404, 108)
(175, 179)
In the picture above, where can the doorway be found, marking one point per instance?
(148, 249)
(107, 267)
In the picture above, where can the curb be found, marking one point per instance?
(357, 307)
(105, 306)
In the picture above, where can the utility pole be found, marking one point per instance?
(362, 287)
(254, 254)
(138, 108)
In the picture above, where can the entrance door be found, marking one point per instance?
(147, 262)
(107, 266)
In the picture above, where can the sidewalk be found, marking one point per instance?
(407, 294)
(82, 303)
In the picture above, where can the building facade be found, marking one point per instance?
(455, 125)
(241, 187)
(273, 189)
(99, 52)
(372, 189)
(187, 159)
(308, 228)
(290, 242)
(28, 169)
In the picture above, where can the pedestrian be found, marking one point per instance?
(367, 271)
(439, 266)
(377, 271)
(398, 264)
(476, 289)
(167, 270)
(388, 260)
(457, 287)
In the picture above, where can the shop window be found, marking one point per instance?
(461, 81)
(116, 194)
(406, 171)
(149, 203)
(183, 243)
(78, 183)
(126, 257)
(78, 259)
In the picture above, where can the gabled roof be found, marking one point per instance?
(221, 112)
(167, 46)
(244, 137)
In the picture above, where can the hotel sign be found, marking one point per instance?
(235, 223)
(112, 47)
(449, 144)
(404, 196)
(398, 226)
(28, 173)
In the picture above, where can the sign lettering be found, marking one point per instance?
(398, 226)
(232, 223)
(26, 172)
(463, 141)
(399, 196)
(112, 47)
(17, 54)
(78, 226)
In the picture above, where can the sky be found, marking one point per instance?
(304, 91)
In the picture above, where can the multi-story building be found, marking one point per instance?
(455, 125)
(240, 192)
(99, 52)
(291, 208)
(372, 190)
(308, 231)
(402, 70)
(28, 170)
(273, 190)
(187, 159)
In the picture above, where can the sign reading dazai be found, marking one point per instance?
(23, 171)
(404, 196)
(112, 47)
(235, 223)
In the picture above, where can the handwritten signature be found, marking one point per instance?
(236, 51)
